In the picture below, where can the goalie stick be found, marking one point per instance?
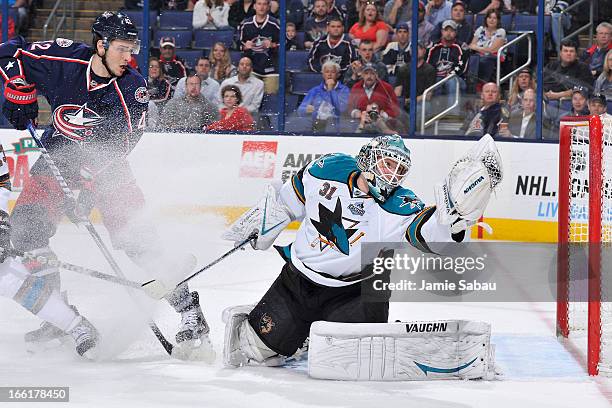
(92, 231)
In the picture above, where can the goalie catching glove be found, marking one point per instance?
(464, 194)
(267, 219)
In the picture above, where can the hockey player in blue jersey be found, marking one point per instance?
(343, 202)
(99, 105)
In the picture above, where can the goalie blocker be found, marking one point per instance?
(427, 350)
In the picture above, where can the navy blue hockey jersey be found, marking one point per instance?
(101, 118)
(324, 50)
(264, 59)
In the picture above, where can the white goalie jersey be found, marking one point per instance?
(337, 218)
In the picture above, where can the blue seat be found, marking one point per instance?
(296, 61)
(235, 57)
(137, 17)
(181, 37)
(176, 20)
(302, 82)
(298, 124)
(207, 38)
(523, 22)
(190, 56)
(269, 104)
(610, 107)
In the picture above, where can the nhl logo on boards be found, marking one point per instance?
(142, 95)
(64, 42)
(266, 324)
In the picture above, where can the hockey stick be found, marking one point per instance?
(92, 231)
(156, 289)
(29, 256)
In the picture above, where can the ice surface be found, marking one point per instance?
(135, 371)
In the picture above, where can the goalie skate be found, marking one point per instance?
(192, 338)
(86, 338)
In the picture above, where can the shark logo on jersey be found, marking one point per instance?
(75, 122)
(413, 202)
(331, 229)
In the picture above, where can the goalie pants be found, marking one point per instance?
(282, 318)
(41, 204)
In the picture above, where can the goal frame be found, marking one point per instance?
(594, 234)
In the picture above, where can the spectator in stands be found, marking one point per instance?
(438, 11)
(240, 11)
(175, 4)
(189, 113)
(22, 12)
(366, 56)
(221, 66)
(598, 105)
(233, 116)
(158, 86)
(561, 76)
(397, 11)
(333, 10)
(522, 122)
(370, 27)
(259, 37)
(209, 88)
(334, 46)
(372, 90)
(137, 5)
(371, 121)
(490, 115)
(524, 81)
(560, 22)
(487, 40)
(251, 88)
(425, 77)
(448, 58)
(315, 26)
(603, 84)
(594, 56)
(580, 97)
(328, 100)
(397, 52)
(484, 6)
(465, 33)
(425, 28)
(11, 27)
(211, 15)
(291, 43)
(173, 66)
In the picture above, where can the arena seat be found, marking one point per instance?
(189, 56)
(176, 20)
(296, 61)
(137, 18)
(302, 82)
(207, 38)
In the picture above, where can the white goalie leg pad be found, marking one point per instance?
(429, 350)
(241, 345)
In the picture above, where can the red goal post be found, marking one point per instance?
(584, 227)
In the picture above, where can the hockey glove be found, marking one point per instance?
(463, 196)
(80, 210)
(5, 235)
(268, 219)
(20, 105)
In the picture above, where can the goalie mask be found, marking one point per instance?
(384, 162)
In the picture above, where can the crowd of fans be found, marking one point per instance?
(361, 48)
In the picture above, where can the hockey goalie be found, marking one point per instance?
(317, 294)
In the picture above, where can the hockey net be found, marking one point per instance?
(584, 264)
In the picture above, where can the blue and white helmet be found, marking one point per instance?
(384, 162)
